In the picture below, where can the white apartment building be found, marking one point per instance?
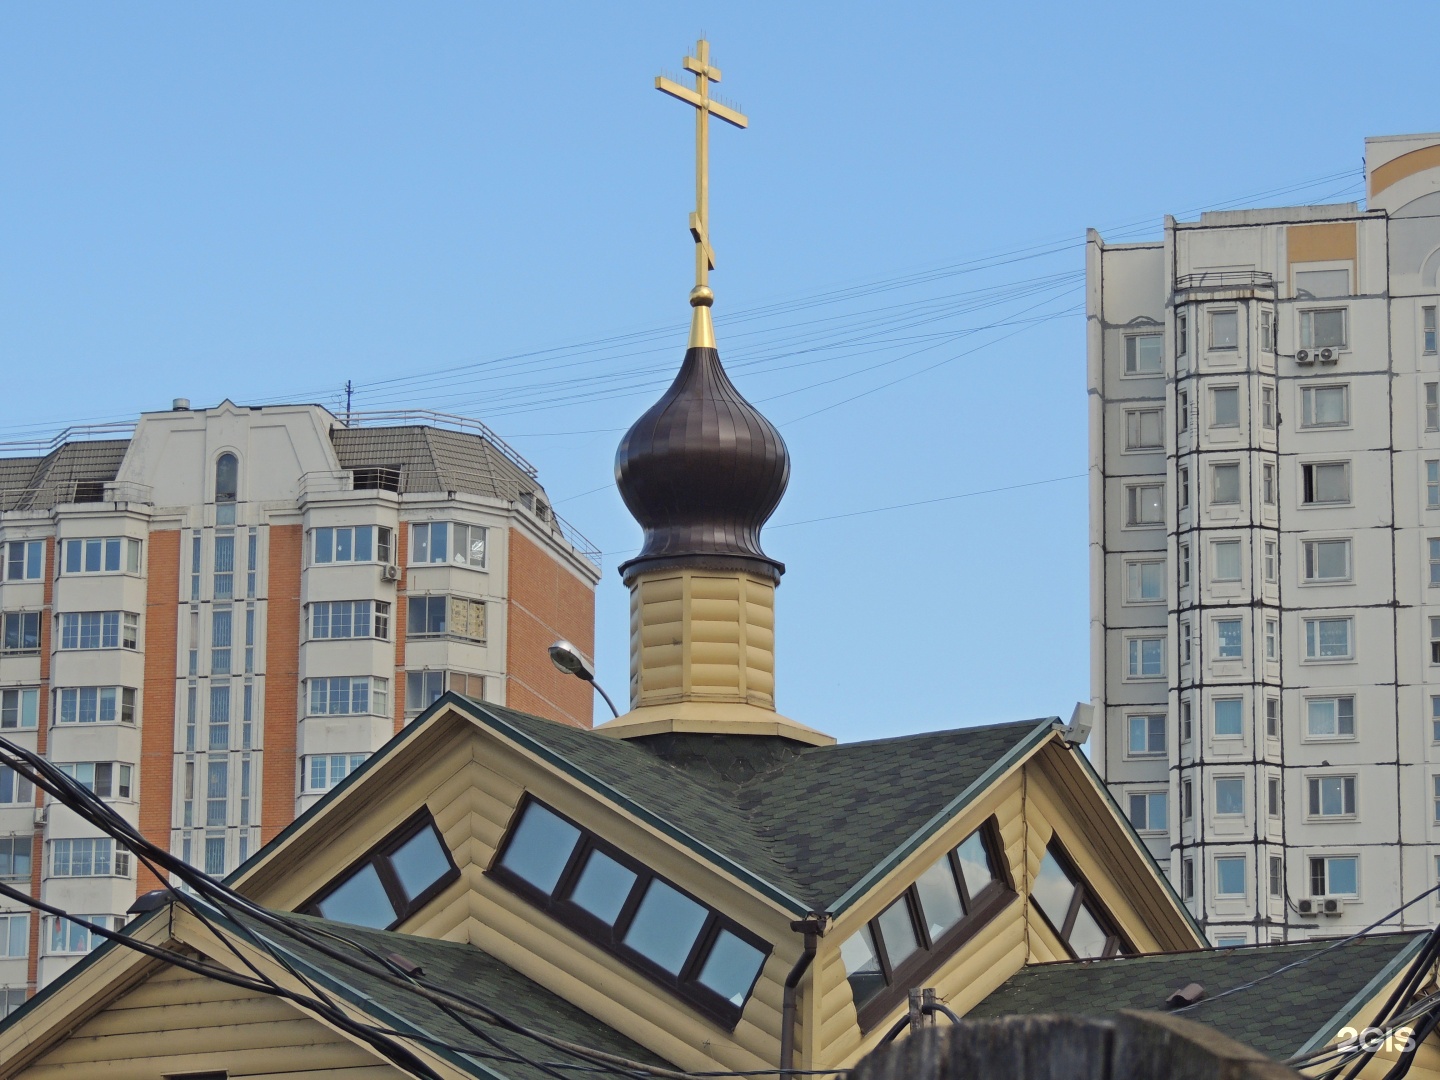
(1265, 552)
(213, 621)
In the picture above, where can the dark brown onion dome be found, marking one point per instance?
(701, 472)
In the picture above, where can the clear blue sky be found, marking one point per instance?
(260, 201)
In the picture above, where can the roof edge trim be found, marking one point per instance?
(1007, 761)
(1366, 992)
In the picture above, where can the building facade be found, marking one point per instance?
(212, 622)
(1265, 552)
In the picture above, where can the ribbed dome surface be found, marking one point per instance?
(701, 472)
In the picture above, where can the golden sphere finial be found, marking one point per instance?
(701, 296)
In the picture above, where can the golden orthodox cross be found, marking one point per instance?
(705, 106)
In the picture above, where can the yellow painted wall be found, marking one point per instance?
(176, 1021)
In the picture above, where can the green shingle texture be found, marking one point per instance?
(810, 820)
(1277, 1016)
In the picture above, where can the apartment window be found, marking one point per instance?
(1225, 560)
(1149, 811)
(15, 857)
(1270, 558)
(1325, 406)
(24, 560)
(1184, 641)
(321, 772)
(224, 566)
(1330, 639)
(1186, 723)
(99, 630)
(1187, 800)
(76, 934)
(1230, 875)
(1225, 406)
(1327, 560)
(1229, 639)
(348, 695)
(1435, 718)
(1272, 639)
(14, 788)
(1330, 717)
(102, 555)
(1326, 482)
(1229, 795)
(90, 857)
(221, 639)
(1427, 319)
(1432, 406)
(1432, 484)
(1144, 354)
(1182, 411)
(1187, 879)
(1319, 284)
(1147, 734)
(1267, 482)
(227, 470)
(1335, 875)
(21, 632)
(1229, 717)
(95, 705)
(1434, 562)
(15, 938)
(1224, 329)
(1145, 504)
(1069, 906)
(1267, 330)
(252, 560)
(1332, 796)
(107, 779)
(623, 907)
(1272, 717)
(423, 689)
(19, 708)
(1184, 551)
(1272, 796)
(359, 543)
(350, 619)
(1143, 429)
(1145, 581)
(1182, 332)
(440, 541)
(1277, 876)
(195, 557)
(1322, 328)
(1435, 781)
(453, 616)
(1224, 485)
(1147, 657)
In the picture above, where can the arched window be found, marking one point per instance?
(227, 469)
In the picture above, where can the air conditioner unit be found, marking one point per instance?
(390, 573)
(1305, 907)
(1330, 905)
(1304, 356)
(1327, 356)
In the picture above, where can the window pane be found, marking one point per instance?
(1230, 874)
(665, 926)
(1319, 284)
(1224, 330)
(1320, 716)
(862, 966)
(1053, 890)
(731, 967)
(1228, 638)
(1227, 560)
(1230, 796)
(1226, 403)
(1227, 484)
(420, 862)
(361, 901)
(1344, 876)
(898, 932)
(603, 887)
(975, 864)
(1086, 937)
(939, 898)
(540, 847)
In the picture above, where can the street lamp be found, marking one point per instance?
(568, 659)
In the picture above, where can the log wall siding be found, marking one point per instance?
(176, 1022)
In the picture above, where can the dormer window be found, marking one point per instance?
(398, 877)
(1073, 912)
(668, 935)
(946, 906)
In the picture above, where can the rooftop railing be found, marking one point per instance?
(74, 433)
(1225, 279)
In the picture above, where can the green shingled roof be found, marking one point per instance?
(473, 972)
(811, 820)
(1277, 1017)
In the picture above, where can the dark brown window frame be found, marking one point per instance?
(379, 857)
(932, 954)
(1116, 943)
(557, 905)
